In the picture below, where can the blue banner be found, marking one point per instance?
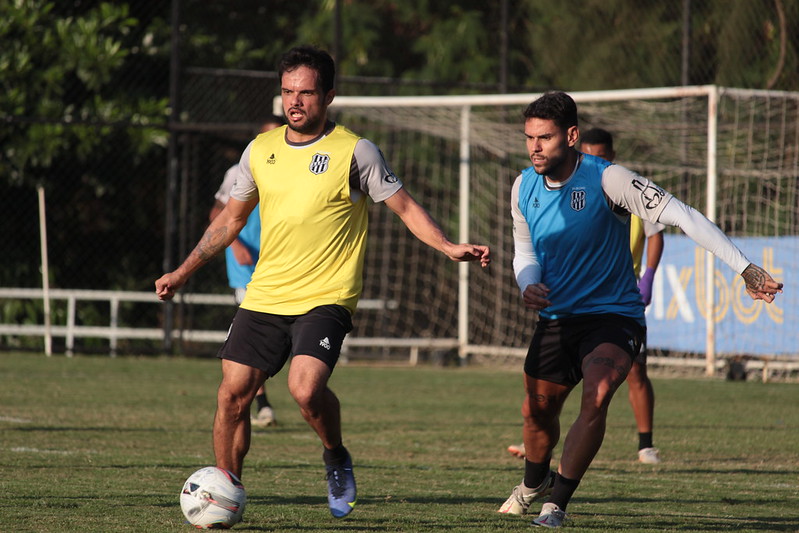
(676, 317)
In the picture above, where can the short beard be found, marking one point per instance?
(308, 127)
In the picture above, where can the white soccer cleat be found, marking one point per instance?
(519, 503)
(650, 456)
(551, 516)
(265, 418)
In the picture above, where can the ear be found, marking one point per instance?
(329, 97)
(572, 135)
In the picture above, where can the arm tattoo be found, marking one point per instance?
(212, 243)
(755, 277)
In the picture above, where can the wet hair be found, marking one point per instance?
(313, 58)
(556, 106)
(597, 136)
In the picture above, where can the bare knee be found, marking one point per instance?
(233, 405)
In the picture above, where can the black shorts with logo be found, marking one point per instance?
(558, 347)
(266, 341)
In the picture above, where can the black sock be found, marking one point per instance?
(534, 473)
(335, 457)
(563, 490)
(261, 401)
(644, 440)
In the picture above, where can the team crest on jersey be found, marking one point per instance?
(319, 163)
(578, 199)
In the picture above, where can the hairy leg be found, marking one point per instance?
(604, 370)
(232, 419)
(307, 383)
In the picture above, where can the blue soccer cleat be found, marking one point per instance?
(341, 493)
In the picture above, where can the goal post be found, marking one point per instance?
(731, 153)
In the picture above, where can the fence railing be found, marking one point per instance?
(115, 332)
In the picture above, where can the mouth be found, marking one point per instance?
(295, 114)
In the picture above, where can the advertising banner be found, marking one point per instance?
(676, 317)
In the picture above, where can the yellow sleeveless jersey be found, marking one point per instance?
(313, 236)
(637, 243)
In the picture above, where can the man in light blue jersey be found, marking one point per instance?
(573, 266)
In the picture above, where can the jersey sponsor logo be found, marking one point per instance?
(319, 163)
(271, 160)
(390, 178)
(578, 199)
(536, 203)
(325, 343)
(652, 195)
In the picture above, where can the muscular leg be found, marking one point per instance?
(232, 419)
(541, 411)
(604, 370)
(307, 383)
(642, 397)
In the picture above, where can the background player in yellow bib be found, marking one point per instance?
(310, 180)
(599, 142)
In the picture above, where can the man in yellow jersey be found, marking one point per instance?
(641, 394)
(310, 180)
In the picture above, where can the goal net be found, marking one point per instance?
(732, 154)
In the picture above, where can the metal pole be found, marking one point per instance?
(710, 264)
(172, 169)
(463, 235)
(48, 334)
(337, 37)
(503, 47)
(685, 71)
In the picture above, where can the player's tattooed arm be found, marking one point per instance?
(759, 284)
(212, 242)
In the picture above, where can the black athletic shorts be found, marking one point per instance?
(266, 341)
(558, 347)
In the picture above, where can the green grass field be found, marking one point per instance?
(96, 444)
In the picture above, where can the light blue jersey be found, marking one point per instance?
(583, 247)
(250, 236)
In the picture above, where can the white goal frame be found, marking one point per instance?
(710, 92)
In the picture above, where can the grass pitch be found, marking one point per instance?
(95, 444)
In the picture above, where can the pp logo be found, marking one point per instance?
(578, 200)
(319, 163)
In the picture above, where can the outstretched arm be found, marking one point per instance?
(422, 225)
(222, 231)
(759, 284)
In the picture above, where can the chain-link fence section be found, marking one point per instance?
(128, 181)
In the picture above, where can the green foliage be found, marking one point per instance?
(55, 70)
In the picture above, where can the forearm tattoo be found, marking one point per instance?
(755, 277)
(212, 243)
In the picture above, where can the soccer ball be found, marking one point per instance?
(213, 498)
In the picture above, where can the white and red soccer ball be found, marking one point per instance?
(213, 498)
